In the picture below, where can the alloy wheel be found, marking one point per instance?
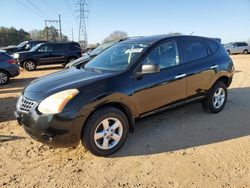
(108, 133)
(219, 97)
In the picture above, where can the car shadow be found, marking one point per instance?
(46, 68)
(7, 138)
(19, 83)
(7, 108)
(189, 127)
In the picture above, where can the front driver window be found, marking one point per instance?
(166, 55)
(45, 48)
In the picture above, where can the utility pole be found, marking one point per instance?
(46, 30)
(60, 26)
(82, 37)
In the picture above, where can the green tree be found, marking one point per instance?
(116, 35)
(12, 36)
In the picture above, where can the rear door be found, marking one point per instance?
(59, 53)
(200, 69)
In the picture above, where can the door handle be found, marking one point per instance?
(180, 76)
(214, 67)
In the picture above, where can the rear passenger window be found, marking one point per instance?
(59, 47)
(213, 46)
(194, 49)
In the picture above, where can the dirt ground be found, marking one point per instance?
(182, 147)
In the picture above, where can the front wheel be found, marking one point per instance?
(216, 99)
(105, 131)
(245, 52)
(29, 65)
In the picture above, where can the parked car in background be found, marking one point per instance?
(87, 56)
(24, 46)
(237, 48)
(98, 104)
(48, 54)
(8, 67)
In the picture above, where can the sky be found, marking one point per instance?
(225, 19)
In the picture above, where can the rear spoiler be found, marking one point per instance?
(217, 39)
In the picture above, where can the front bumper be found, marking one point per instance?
(58, 130)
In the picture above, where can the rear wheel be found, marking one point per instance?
(245, 52)
(216, 99)
(228, 52)
(29, 65)
(4, 77)
(105, 131)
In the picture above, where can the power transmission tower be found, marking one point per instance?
(52, 23)
(83, 36)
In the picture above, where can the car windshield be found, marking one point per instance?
(102, 47)
(118, 57)
(35, 47)
(22, 44)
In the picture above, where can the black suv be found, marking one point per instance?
(48, 53)
(98, 104)
(24, 46)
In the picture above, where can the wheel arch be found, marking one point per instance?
(119, 105)
(225, 79)
(29, 59)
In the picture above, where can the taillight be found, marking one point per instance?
(11, 61)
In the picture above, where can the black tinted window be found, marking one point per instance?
(213, 46)
(59, 47)
(166, 55)
(74, 47)
(194, 49)
(45, 48)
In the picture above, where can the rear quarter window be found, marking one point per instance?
(194, 49)
(212, 45)
(74, 47)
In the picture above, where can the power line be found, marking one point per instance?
(36, 7)
(25, 6)
(69, 8)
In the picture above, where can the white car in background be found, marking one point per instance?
(237, 48)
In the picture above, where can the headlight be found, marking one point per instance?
(55, 103)
(16, 56)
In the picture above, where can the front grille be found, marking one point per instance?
(25, 105)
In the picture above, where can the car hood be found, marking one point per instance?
(9, 48)
(66, 79)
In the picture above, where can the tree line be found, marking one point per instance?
(12, 36)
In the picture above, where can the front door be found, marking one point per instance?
(157, 90)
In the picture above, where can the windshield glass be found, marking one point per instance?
(22, 44)
(102, 47)
(35, 47)
(118, 57)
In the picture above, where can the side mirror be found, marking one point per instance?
(150, 69)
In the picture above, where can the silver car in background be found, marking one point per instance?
(237, 48)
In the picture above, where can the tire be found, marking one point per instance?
(4, 77)
(217, 93)
(69, 60)
(29, 65)
(245, 52)
(98, 139)
(228, 52)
